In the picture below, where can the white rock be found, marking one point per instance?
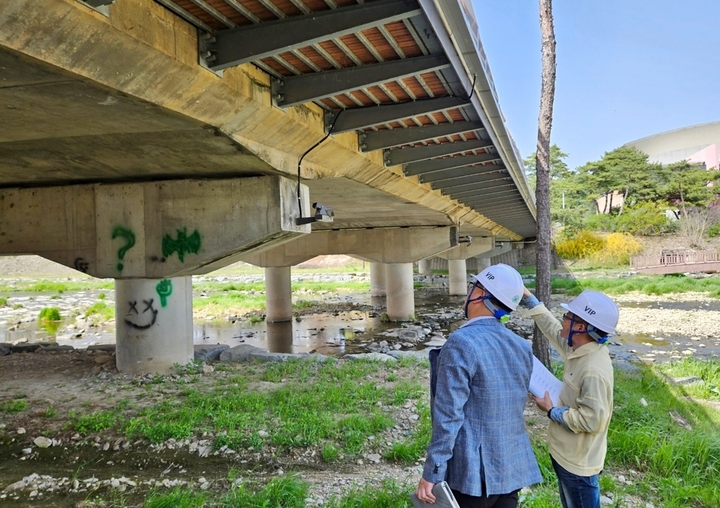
(643, 402)
(42, 442)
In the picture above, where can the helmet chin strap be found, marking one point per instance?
(590, 330)
(497, 312)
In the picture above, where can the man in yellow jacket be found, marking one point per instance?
(577, 433)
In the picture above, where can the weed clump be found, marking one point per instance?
(50, 314)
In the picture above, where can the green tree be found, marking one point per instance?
(568, 199)
(687, 185)
(625, 169)
(559, 169)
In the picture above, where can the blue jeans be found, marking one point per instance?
(577, 491)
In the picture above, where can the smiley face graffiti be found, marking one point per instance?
(141, 320)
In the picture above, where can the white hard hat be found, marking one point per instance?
(503, 282)
(596, 309)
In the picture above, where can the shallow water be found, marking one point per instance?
(330, 334)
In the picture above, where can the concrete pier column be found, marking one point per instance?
(278, 294)
(457, 270)
(400, 291)
(154, 325)
(377, 279)
(483, 263)
(424, 266)
(279, 336)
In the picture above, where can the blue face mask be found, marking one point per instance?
(499, 314)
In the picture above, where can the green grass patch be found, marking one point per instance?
(100, 311)
(50, 314)
(287, 491)
(13, 406)
(707, 371)
(673, 439)
(388, 495)
(413, 447)
(96, 421)
(177, 498)
(303, 304)
(3, 301)
(647, 284)
(51, 286)
(652, 285)
(238, 303)
(333, 405)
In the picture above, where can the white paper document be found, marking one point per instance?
(542, 380)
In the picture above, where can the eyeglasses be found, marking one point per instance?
(569, 315)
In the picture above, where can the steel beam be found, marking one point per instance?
(377, 140)
(508, 205)
(470, 189)
(245, 44)
(495, 207)
(505, 214)
(421, 153)
(294, 90)
(477, 203)
(359, 118)
(484, 181)
(466, 181)
(482, 199)
(470, 186)
(421, 168)
(479, 197)
(440, 176)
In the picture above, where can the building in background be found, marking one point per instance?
(698, 144)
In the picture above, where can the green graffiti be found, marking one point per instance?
(129, 236)
(164, 289)
(182, 244)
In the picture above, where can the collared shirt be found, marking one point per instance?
(483, 373)
(588, 392)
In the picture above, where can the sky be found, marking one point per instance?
(626, 69)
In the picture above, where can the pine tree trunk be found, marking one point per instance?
(622, 205)
(541, 347)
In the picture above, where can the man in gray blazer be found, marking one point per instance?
(480, 386)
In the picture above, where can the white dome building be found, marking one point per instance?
(698, 144)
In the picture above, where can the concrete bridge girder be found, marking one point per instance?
(391, 252)
(457, 266)
(465, 251)
(502, 248)
(390, 245)
(152, 229)
(159, 65)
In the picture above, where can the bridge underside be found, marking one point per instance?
(158, 139)
(60, 129)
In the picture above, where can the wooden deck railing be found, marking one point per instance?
(675, 258)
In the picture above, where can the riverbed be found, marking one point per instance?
(651, 328)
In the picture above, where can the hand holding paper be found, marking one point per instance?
(542, 380)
